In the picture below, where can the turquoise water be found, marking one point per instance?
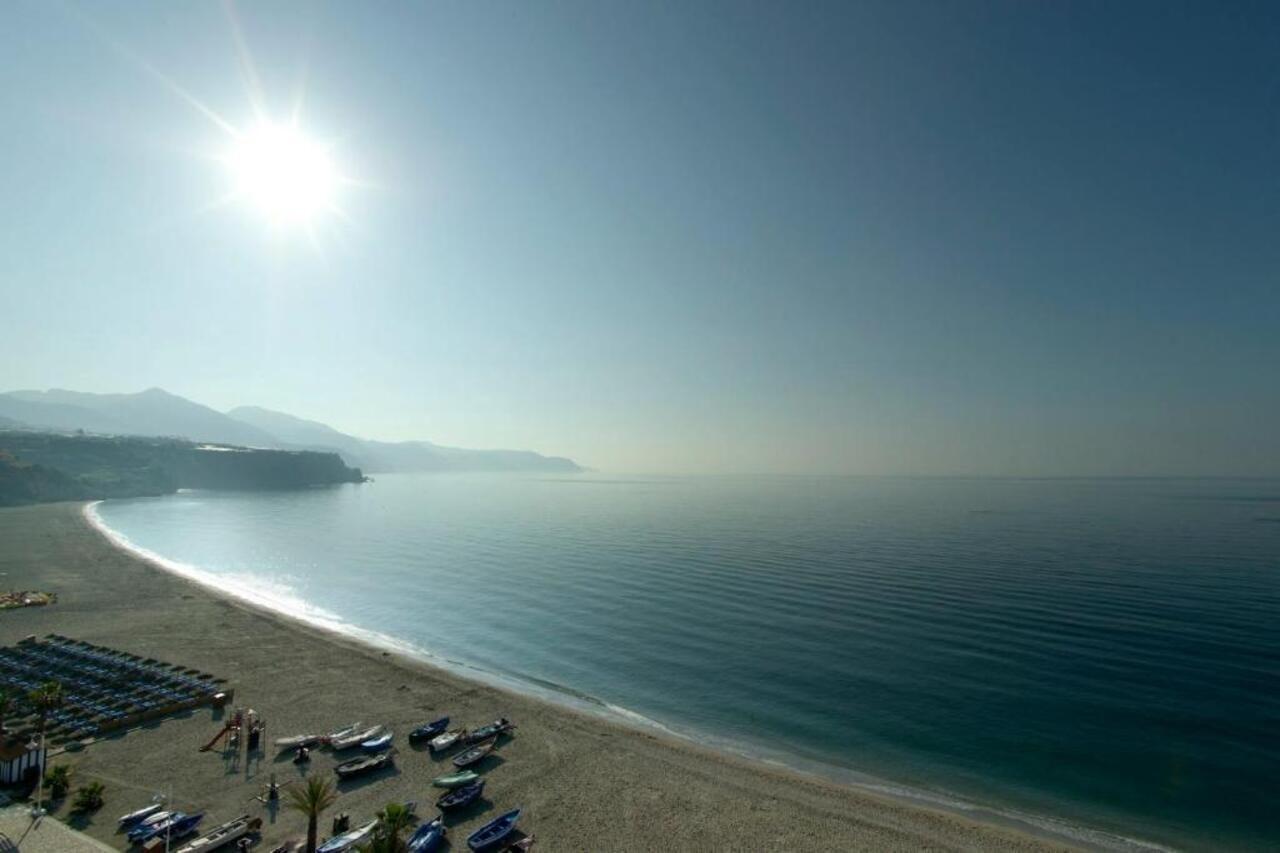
(1106, 653)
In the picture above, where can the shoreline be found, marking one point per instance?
(563, 698)
(853, 816)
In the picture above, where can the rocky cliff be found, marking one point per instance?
(41, 466)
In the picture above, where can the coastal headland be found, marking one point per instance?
(585, 783)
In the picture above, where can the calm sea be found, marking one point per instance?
(1100, 652)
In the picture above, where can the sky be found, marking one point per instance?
(884, 238)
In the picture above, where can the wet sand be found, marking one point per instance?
(585, 783)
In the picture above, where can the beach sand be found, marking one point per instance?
(585, 783)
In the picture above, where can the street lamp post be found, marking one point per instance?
(167, 799)
(37, 812)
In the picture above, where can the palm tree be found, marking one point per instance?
(89, 797)
(311, 798)
(392, 820)
(58, 780)
(45, 698)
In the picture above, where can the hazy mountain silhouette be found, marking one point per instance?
(152, 412)
(155, 412)
(294, 430)
(375, 456)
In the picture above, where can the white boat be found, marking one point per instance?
(228, 832)
(446, 740)
(356, 738)
(134, 817)
(295, 741)
(156, 817)
(347, 840)
(344, 732)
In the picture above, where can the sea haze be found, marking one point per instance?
(1103, 652)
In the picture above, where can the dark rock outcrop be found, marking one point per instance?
(41, 466)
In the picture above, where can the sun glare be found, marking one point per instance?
(287, 176)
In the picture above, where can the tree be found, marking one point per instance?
(393, 820)
(88, 797)
(311, 798)
(58, 780)
(45, 699)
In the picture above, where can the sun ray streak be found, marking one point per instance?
(252, 84)
(156, 74)
(300, 81)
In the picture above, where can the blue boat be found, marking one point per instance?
(148, 827)
(178, 825)
(427, 838)
(491, 835)
(429, 730)
(376, 744)
(184, 827)
(461, 797)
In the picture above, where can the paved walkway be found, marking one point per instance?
(19, 835)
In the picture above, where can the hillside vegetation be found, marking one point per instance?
(42, 466)
(158, 413)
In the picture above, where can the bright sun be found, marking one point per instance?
(287, 176)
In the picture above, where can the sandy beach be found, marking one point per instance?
(584, 782)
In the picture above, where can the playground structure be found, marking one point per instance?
(243, 724)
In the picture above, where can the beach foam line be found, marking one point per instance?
(280, 598)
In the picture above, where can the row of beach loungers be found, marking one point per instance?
(101, 687)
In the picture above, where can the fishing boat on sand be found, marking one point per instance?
(155, 817)
(364, 764)
(181, 828)
(151, 820)
(427, 838)
(348, 840)
(497, 727)
(355, 738)
(460, 798)
(440, 743)
(133, 817)
(345, 731)
(429, 730)
(494, 833)
(377, 744)
(232, 830)
(473, 754)
(285, 744)
(177, 826)
(456, 780)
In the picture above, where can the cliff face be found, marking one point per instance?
(51, 466)
(209, 467)
(24, 483)
(157, 413)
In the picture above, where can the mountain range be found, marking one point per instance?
(156, 412)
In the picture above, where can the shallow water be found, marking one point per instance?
(1105, 652)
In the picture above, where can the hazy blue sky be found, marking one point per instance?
(867, 237)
